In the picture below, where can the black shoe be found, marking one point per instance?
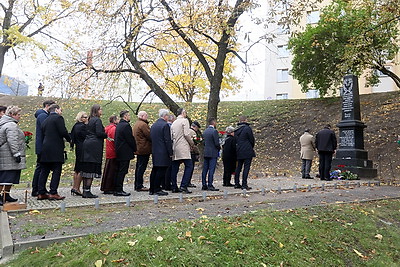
(229, 185)
(212, 188)
(10, 199)
(176, 190)
(121, 194)
(34, 194)
(204, 187)
(161, 193)
(246, 187)
(308, 177)
(185, 190)
(191, 185)
(88, 194)
(108, 192)
(75, 192)
(238, 186)
(330, 179)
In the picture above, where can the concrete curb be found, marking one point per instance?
(7, 245)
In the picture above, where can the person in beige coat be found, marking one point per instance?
(182, 141)
(307, 142)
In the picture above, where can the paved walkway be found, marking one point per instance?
(258, 184)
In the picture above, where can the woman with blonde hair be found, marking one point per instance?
(12, 152)
(78, 135)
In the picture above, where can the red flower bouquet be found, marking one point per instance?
(28, 138)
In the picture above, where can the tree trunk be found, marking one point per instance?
(3, 51)
(392, 75)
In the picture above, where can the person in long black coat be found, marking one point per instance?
(244, 150)
(161, 144)
(326, 144)
(92, 152)
(52, 155)
(78, 136)
(125, 147)
(229, 156)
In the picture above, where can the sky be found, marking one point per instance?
(252, 75)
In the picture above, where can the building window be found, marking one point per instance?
(282, 96)
(312, 17)
(283, 51)
(283, 75)
(312, 94)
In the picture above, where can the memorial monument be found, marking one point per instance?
(351, 155)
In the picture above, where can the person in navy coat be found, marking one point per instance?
(161, 146)
(244, 150)
(52, 154)
(211, 151)
(326, 144)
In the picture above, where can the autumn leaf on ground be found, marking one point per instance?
(281, 245)
(132, 243)
(59, 254)
(188, 234)
(160, 238)
(118, 261)
(98, 263)
(358, 253)
(35, 251)
(105, 252)
(379, 236)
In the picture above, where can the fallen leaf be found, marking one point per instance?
(202, 237)
(98, 263)
(379, 236)
(200, 209)
(291, 224)
(132, 243)
(59, 254)
(188, 234)
(118, 261)
(35, 251)
(105, 252)
(160, 238)
(358, 253)
(281, 245)
(239, 252)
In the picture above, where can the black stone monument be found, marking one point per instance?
(351, 155)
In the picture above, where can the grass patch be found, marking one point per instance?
(364, 234)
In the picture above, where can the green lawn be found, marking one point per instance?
(337, 235)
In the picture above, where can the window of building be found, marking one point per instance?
(282, 96)
(312, 17)
(282, 75)
(312, 94)
(283, 51)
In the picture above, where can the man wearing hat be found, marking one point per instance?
(194, 150)
(307, 143)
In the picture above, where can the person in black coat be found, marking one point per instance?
(52, 154)
(229, 156)
(244, 150)
(125, 147)
(78, 136)
(211, 151)
(326, 144)
(161, 146)
(92, 150)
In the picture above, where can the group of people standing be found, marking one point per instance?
(325, 143)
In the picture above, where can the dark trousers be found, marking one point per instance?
(325, 164)
(36, 175)
(166, 181)
(156, 176)
(186, 172)
(195, 158)
(46, 167)
(305, 167)
(141, 165)
(208, 168)
(229, 168)
(245, 164)
(123, 166)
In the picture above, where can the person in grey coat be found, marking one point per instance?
(12, 152)
(307, 151)
(211, 151)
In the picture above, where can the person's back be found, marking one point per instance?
(326, 140)
(245, 141)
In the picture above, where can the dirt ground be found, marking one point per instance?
(35, 225)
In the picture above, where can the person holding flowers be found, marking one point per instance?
(12, 152)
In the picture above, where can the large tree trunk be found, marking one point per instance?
(392, 75)
(3, 51)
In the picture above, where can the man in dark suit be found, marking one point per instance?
(244, 150)
(326, 144)
(211, 150)
(161, 146)
(52, 153)
(125, 147)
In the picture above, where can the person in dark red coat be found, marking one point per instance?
(52, 156)
(78, 135)
(111, 165)
(125, 147)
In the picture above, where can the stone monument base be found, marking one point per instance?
(362, 167)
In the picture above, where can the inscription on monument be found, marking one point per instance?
(347, 98)
(347, 138)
